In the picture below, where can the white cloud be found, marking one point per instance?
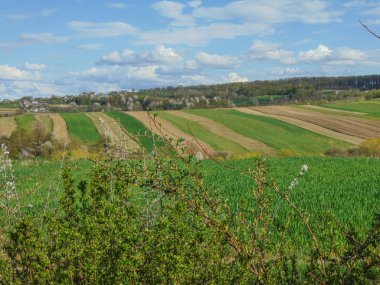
(90, 46)
(34, 66)
(43, 38)
(272, 12)
(320, 53)
(174, 10)
(289, 71)
(17, 17)
(216, 61)
(13, 73)
(47, 12)
(160, 54)
(118, 5)
(339, 56)
(200, 35)
(271, 51)
(102, 30)
(234, 77)
(194, 3)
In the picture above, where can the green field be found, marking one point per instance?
(277, 134)
(218, 143)
(346, 187)
(372, 107)
(9, 105)
(80, 127)
(136, 128)
(26, 122)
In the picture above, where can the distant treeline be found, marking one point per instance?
(283, 91)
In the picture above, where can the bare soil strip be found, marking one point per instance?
(328, 110)
(225, 132)
(8, 110)
(107, 126)
(7, 126)
(305, 125)
(356, 127)
(166, 129)
(60, 132)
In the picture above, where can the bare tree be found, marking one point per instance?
(369, 30)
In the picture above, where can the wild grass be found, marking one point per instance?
(286, 138)
(80, 127)
(26, 122)
(218, 143)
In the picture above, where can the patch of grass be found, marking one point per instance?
(218, 143)
(136, 128)
(26, 122)
(284, 137)
(372, 107)
(8, 105)
(80, 127)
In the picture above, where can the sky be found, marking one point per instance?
(71, 46)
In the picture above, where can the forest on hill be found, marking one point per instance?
(240, 94)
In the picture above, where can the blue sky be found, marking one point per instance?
(71, 46)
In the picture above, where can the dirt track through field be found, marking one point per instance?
(115, 133)
(305, 125)
(7, 126)
(225, 132)
(164, 128)
(356, 127)
(60, 132)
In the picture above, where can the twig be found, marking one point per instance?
(369, 30)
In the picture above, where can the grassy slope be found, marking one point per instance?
(26, 122)
(279, 135)
(216, 142)
(136, 128)
(372, 108)
(80, 127)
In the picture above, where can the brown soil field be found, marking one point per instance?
(306, 125)
(110, 127)
(7, 126)
(352, 126)
(8, 110)
(59, 128)
(165, 129)
(223, 131)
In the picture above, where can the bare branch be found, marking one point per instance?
(368, 29)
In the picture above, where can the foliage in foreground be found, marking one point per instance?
(150, 222)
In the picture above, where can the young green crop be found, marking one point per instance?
(277, 134)
(138, 129)
(218, 143)
(80, 127)
(372, 108)
(347, 188)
